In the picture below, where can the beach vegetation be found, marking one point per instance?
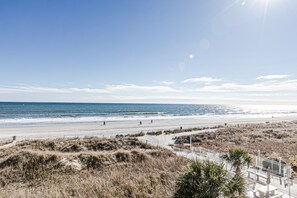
(88, 167)
(237, 157)
(209, 180)
(236, 186)
(201, 180)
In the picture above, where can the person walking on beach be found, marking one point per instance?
(151, 121)
(104, 123)
(140, 123)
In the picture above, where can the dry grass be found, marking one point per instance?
(136, 134)
(156, 133)
(5, 141)
(175, 131)
(88, 167)
(278, 139)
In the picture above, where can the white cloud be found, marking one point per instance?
(272, 77)
(270, 91)
(133, 88)
(166, 83)
(107, 89)
(206, 80)
(271, 86)
(32, 89)
(35, 89)
(88, 90)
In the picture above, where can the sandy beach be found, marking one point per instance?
(112, 128)
(67, 151)
(271, 135)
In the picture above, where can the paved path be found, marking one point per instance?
(8, 145)
(165, 140)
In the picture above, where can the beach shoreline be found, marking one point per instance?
(194, 127)
(113, 128)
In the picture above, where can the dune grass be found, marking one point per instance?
(88, 167)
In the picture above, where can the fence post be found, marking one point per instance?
(272, 165)
(191, 143)
(280, 166)
(259, 158)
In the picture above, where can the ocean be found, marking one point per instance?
(16, 113)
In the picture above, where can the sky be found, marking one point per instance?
(149, 51)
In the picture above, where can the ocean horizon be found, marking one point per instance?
(22, 113)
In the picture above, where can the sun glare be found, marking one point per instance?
(263, 4)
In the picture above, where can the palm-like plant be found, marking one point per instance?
(236, 186)
(202, 180)
(238, 157)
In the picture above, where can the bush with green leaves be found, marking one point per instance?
(238, 157)
(202, 180)
(236, 186)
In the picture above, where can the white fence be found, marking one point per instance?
(280, 171)
(276, 165)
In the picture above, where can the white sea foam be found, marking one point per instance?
(48, 120)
